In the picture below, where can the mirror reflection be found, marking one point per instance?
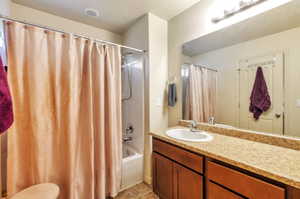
(248, 80)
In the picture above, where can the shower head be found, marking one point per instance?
(123, 67)
(127, 54)
(124, 60)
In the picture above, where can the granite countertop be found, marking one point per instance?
(274, 162)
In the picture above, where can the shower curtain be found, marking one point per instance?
(67, 102)
(201, 95)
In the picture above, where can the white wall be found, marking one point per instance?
(5, 7)
(158, 75)
(137, 34)
(196, 22)
(158, 71)
(226, 59)
(43, 18)
(150, 33)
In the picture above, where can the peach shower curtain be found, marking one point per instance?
(67, 102)
(202, 93)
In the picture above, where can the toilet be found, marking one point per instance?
(39, 191)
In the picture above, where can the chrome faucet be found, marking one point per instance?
(193, 125)
(211, 121)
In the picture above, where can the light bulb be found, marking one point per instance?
(233, 9)
(244, 3)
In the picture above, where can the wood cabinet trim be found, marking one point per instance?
(214, 191)
(189, 184)
(239, 182)
(163, 188)
(182, 156)
(293, 193)
(187, 159)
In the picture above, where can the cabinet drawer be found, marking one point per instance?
(243, 184)
(215, 191)
(188, 159)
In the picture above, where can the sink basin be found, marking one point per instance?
(188, 135)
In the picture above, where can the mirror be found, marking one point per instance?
(246, 76)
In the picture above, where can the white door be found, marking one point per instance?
(272, 120)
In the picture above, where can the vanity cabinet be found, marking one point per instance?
(187, 184)
(181, 174)
(173, 181)
(163, 176)
(176, 172)
(215, 191)
(240, 183)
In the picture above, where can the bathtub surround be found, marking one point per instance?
(132, 167)
(150, 33)
(73, 115)
(133, 99)
(132, 118)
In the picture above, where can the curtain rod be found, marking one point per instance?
(197, 65)
(76, 35)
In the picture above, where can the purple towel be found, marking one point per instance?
(6, 111)
(260, 99)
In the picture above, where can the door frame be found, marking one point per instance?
(237, 76)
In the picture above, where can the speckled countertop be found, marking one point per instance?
(277, 163)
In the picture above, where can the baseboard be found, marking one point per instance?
(132, 185)
(148, 180)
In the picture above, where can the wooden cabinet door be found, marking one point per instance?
(187, 183)
(215, 191)
(162, 176)
(243, 184)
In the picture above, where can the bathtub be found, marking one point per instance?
(132, 167)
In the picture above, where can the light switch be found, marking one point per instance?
(298, 103)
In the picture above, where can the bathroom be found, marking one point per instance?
(148, 99)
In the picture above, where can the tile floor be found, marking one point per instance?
(140, 191)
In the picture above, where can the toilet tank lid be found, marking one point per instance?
(45, 191)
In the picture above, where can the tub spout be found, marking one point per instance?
(127, 139)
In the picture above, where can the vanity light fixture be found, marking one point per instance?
(240, 6)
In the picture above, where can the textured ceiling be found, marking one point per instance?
(115, 15)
